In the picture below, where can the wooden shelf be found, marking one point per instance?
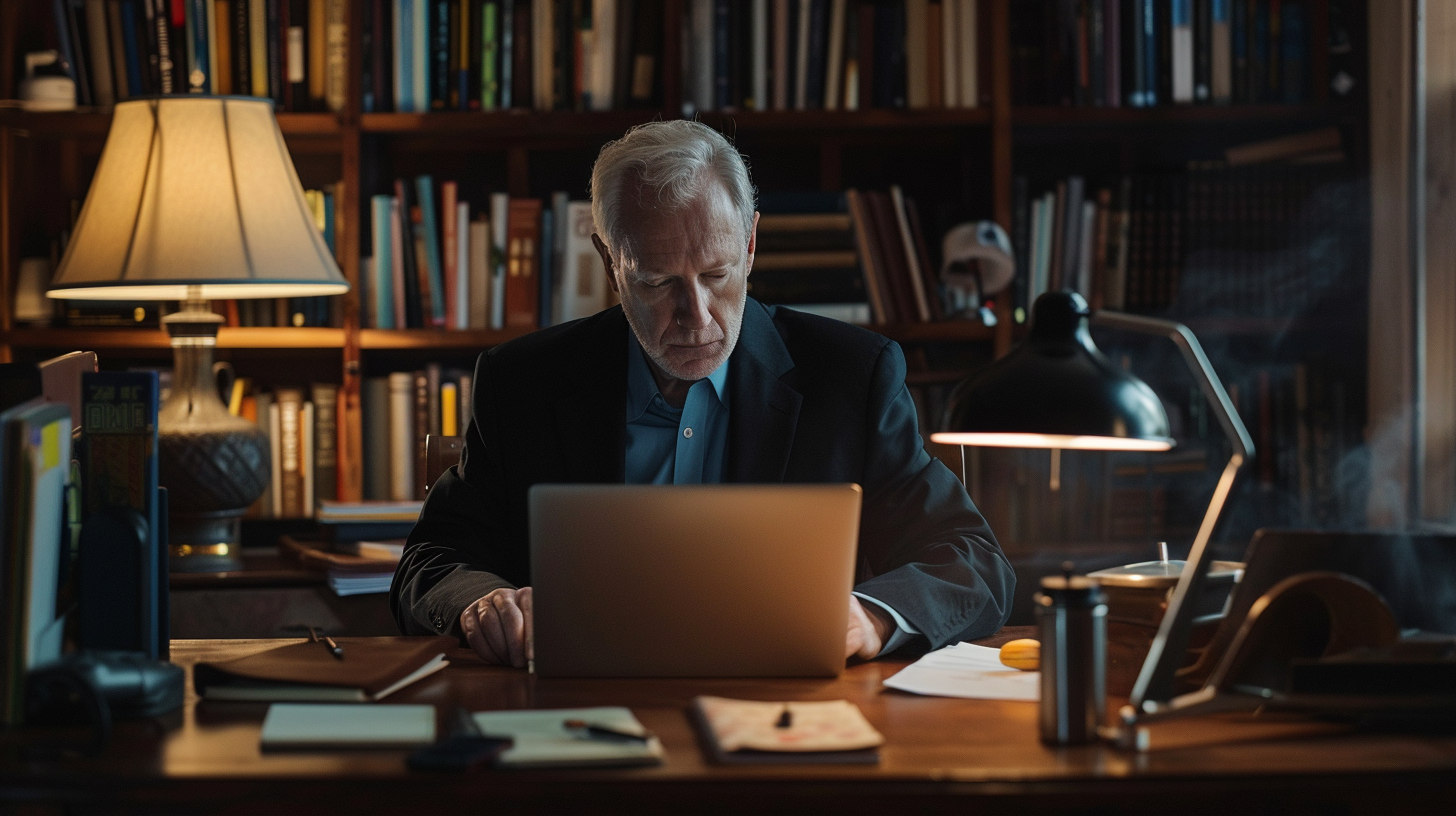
(232, 338)
(1055, 116)
(951, 331)
(436, 338)
(96, 122)
(519, 124)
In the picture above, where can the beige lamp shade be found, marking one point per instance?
(195, 191)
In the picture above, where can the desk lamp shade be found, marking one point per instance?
(195, 191)
(194, 199)
(1056, 390)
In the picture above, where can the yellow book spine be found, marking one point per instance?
(449, 410)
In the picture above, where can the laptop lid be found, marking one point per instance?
(692, 580)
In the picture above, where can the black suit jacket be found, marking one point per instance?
(810, 400)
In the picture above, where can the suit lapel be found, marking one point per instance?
(763, 411)
(592, 416)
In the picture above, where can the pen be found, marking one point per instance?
(595, 731)
(334, 649)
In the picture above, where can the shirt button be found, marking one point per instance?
(687, 433)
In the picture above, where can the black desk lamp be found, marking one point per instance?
(1056, 390)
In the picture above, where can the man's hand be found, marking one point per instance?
(498, 627)
(869, 628)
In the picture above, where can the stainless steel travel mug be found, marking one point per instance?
(1071, 616)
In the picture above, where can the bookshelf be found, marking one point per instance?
(959, 163)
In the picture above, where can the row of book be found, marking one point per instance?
(303, 428)
(82, 545)
(1267, 241)
(294, 52)
(423, 55)
(1141, 53)
(461, 55)
(400, 411)
(831, 54)
(511, 262)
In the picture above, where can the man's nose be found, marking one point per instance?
(692, 307)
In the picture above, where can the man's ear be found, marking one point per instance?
(752, 243)
(607, 262)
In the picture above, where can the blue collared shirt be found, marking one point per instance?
(667, 445)
(688, 445)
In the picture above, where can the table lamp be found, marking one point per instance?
(194, 199)
(1056, 390)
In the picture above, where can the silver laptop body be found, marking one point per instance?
(692, 581)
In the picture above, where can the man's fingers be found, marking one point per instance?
(525, 600)
(495, 633)
(470, 626)
(513, 630)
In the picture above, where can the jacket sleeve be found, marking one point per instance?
(459, 549)
(931, 555)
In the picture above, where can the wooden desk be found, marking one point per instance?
(942, 755)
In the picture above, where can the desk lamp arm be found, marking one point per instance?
(1154, 687)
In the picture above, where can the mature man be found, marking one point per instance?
(691, 381)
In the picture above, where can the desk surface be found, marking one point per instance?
(940, 755)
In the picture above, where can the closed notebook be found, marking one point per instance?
(370, 669)
(541, 738)
(299, 726)
(751, 731)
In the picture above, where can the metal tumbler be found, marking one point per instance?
(1071, 616)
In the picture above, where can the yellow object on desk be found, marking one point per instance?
(1023, 654)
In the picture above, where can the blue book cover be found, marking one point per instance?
(404, 80)
(199, 79)
(440, 56)
(430, 223)
(1150, 53)
(383, 278)
(507, 42)
(547, 267)
(120, 586)
(130, 48)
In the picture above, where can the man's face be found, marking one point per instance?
(684, 292)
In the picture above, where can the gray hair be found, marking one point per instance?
(676, 159)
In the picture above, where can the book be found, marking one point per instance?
(752, 731)
(583, 275)
(401, 436)
(325, 399)
(542, 740)
(522, 295)
(119, 585)
(432, 304)
(371, 669)
(35, 454)
(304, 726)
(290, 495)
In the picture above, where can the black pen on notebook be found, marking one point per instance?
(334, 649)
(595, 731)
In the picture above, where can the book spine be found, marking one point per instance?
(375, 404)
(1182, 43)
(325, 441)
(545, 277)
(450, 255)
(336, 54)
(99, 54)
(522, 307)
(479, 274)
(420, 425)
(1202, 51)
(499, 212)
(490, 56)
(439, 49)
(409, 268)
(401, 436)
(382, 282)
(289, 402)
(462, 265)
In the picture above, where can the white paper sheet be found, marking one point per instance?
(965, 670)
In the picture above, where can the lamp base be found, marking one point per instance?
(204, 541)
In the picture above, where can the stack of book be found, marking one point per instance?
(438, 262)
(294, 52)
(1141, 53)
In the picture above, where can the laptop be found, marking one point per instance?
(692, 580)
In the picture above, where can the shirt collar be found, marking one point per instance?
(642, 386)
